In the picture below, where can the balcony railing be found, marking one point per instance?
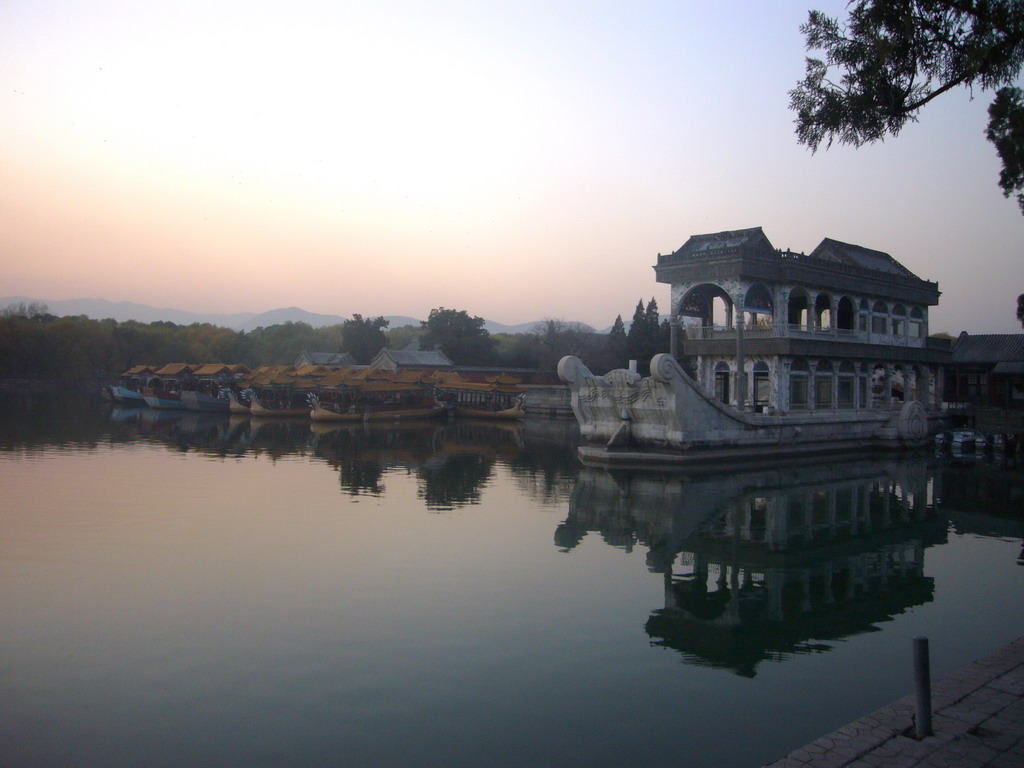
(782, 331)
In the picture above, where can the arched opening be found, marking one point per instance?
(758, 302)
(823, 311)
(707, 303)
(864, 312)
(798, 308)
(879, 382)
(915, 328)
(899, 320)
(722, 376)
(898, 384)
(880, 318)
(845, 314)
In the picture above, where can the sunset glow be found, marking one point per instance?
(519, 161)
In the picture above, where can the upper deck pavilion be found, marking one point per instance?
(748, 256)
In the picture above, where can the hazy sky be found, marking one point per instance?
(517, 160)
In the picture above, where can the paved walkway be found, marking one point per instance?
(978, 720)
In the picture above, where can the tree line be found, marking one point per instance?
(35, 344)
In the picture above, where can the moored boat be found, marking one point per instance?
(498, 397)
(128, 390)
(195, 400)
(125, 396)
(236, 405)
(368, 412)
(258, 408)
(164, 399)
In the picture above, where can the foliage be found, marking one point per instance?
(647, 336)
(1020, 309)
(895, 56)
(363, 339)
(35, 344)
(461, 337)
(401, 337)
(555, 339)
(1006, 132)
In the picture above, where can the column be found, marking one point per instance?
(741, 374)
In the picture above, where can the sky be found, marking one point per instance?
(520, 161)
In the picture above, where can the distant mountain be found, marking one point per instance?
(100, 309)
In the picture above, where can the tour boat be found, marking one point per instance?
(483, 400)
(235, 405)
(258, 408)
(201, 401)
(124, 395)
(770, 353)
(375, 401)
(165, 399)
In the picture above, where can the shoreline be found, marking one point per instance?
(977, 720)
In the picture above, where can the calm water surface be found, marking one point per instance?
(206, 591)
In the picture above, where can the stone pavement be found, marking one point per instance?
(978, 720)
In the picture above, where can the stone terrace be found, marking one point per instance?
(978, 720)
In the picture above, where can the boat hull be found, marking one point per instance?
(236, 406)
(162, 399)
(666, 418)
(516, 412)
(319, 413)
(200, 401)
(256, 408)
(126, 396)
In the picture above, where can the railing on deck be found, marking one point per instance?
(793, 331)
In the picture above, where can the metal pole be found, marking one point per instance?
(922, 688)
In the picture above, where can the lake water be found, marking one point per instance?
(205, 591)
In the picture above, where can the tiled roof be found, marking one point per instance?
(859, 256)
(989, 348)
(422, 358)
(329, 358)
(725, 241)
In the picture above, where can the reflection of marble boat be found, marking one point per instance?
(667, 418)
(760, 565)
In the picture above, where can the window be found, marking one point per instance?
(879, 318)
(722, 382)
(762, 386)
(845, 387)
(798, 384)
(915, 328)
(823, 385)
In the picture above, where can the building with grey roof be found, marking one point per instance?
(397, 359)
(771, 330)
(329, 359)
(987, 369)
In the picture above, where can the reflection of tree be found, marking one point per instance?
(359, 477)
(547, 466)
(362, 454)
(756, 565)
(56, 417)
(453, 481)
